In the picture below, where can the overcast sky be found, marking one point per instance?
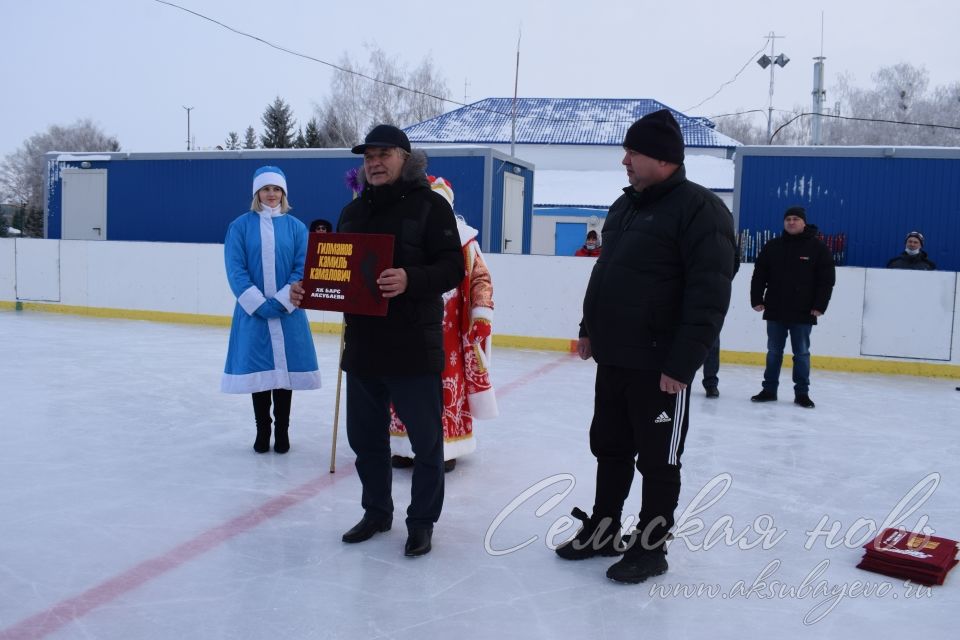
(132, 65)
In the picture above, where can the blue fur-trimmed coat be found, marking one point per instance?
(264, 254)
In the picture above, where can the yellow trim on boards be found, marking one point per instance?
(855, 365)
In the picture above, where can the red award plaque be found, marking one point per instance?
(341, 272)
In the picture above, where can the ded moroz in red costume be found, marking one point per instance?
(467, 318)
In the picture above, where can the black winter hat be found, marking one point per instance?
(384, 135)
(656, 135)
(800, 212)
(915, 234)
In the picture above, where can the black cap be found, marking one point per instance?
(800, 212)
(384, 135)
(656, 135)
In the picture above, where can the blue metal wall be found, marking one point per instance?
(873, 201)
(193, 200)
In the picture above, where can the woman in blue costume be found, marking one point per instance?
(271, 348)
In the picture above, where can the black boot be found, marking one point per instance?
(281, 419)
(599, 536)
(262, 443)
(638, 564)
(281, 439)
(261, 413)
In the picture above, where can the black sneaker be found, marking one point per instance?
(597, 537)
(638, 565)
(804, 401)
(713, 392)
(764, 396)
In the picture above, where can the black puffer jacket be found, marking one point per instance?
(660, 289)
(409, 339)
(794, 274)
(919, 262)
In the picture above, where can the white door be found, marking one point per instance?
(512, 213)
(83, 204)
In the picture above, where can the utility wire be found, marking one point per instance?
(730, 81)
(502, 113)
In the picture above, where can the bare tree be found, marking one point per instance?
(22, 172)
(395, 97)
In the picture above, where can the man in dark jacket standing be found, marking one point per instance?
(792, 282)
(654, 305)
(398, 358)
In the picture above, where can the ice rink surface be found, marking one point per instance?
(133, 506)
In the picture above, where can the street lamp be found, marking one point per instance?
(189, 109)
(770, 61)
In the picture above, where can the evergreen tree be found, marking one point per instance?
(250, 138)
(278, 123)
(232, 143)
(33, 223)
(312, 135)
(300, 142)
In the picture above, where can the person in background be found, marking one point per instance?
(467, 318)
(655, 303)
(271, 350)
(711, 366)
(591, 247)
(792, 283)
(321, 226)
(913, 256)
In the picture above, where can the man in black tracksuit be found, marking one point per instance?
(398, 358)
(654, 305)
(792, 282)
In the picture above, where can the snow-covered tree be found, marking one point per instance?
(278, 124)
(232, 143)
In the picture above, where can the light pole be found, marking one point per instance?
(770, 61)
(189, 109)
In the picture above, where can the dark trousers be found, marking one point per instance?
(800, 344)
(281, 407)
(417, 399)
(711, 366)
(634, 423)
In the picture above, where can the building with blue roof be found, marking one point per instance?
(575, 145)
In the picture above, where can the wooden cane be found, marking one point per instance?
(336, 410)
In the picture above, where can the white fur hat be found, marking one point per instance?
(269, 175)
(443, 187)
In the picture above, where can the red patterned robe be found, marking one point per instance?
(467, 392)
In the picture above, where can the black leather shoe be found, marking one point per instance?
(804, 401)
(418, 543)
(713, 392)
(401, 462)
(449, 465)
(366, 529)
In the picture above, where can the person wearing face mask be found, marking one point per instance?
(590, 248)
(271, 350)
(913, 256)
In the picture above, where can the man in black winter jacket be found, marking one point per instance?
(398, 358)
(654, 305)
(913, 256)
(792, 282)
